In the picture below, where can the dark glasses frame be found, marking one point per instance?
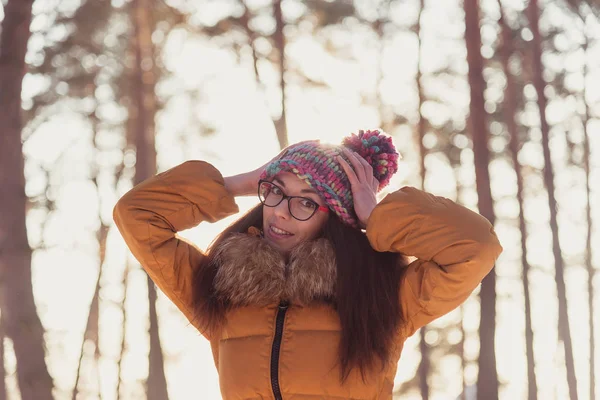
(285, 196)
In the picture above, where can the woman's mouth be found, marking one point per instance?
(278, 233)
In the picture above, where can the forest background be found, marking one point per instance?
(492, 103)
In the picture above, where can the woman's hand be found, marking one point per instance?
(364, 185)
(246, 184)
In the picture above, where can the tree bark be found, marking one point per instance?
(19, 313)
(487, 379)
(123, 330)
(252, 36)
(538, 82)
(510, 101)
(384, 123)
(145, 167)
(157, 381)
(144, 99)
(588, 242)
(279, 39)
(424, 364)
(3, 394)
(463, 332)
(91, 327)
(279, 123)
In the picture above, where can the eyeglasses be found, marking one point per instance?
(301, 208)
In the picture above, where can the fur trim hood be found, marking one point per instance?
(251, 272)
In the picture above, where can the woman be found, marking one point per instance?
(297, 301)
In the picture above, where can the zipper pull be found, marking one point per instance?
(284, 305)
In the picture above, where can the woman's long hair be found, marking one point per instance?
(367, 298)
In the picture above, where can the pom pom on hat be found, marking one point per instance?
(316, 164)
(378, 150)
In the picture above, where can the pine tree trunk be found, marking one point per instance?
(424, 364)
(157, 381)
(123, 331)
(252, 36)
(463, 362)
(384, 122)
(19, 314)
(93, 321)
(487, 379)
(144, 99)
(463, 333)
(279, 123)
(538, 81)
(510, 101)
(88, 336)
(91, 326)
(3, 394)
(588, 241)
(279, 39)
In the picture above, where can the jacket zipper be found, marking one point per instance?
(283, 306)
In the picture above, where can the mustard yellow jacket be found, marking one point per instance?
(454, 249)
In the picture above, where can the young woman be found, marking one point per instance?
(309, 295)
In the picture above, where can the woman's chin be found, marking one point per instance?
(282, 249)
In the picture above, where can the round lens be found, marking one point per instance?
(270, 195)
(301, 208)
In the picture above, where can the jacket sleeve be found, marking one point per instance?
(454, 246)
(150, 215)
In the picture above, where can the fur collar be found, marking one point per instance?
(251, 272)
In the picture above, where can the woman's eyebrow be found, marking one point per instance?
(309, 190)
(313, 191)
(279, 181)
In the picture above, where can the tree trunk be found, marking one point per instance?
(424, 364)
(487, 379)
(463, 362)
(124, 331)
(88, 336)
(279, 39)
(91, 327)
(252, 36)
(538, 81)
(144, 99)
(588, 241)
(157, 381)
(19, 313)
(384, 123)
(3, 394)
(463, 333)
(280, 123)
(510, 101)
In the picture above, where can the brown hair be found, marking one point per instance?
(366, 299)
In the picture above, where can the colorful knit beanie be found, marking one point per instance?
(315, 163)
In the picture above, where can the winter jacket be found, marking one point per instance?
(266, 351)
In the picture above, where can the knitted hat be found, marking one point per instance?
(315, 163)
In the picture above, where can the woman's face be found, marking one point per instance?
(279, 217)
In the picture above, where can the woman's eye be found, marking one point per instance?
(275, 190)
(308, 204)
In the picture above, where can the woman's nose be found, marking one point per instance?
(282, 209)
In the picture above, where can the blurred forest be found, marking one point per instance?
(493, 103)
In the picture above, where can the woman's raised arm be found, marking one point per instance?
(455, 249)
(150, 215)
